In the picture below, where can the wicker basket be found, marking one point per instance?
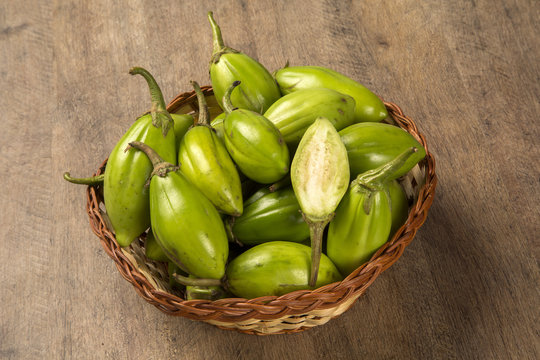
(292, 312)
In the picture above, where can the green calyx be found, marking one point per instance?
(381, 174)
(94, 180)
(161, 167)
(160, 116)
(375, 180)
(219, 46)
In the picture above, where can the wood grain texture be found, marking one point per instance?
(466, 72)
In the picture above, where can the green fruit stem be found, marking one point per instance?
(217, 38)
(219, 45)
(374, 180)
(204, 117)
(158, 103)
(316, 231)
(380, 175)
(161, 167)
(160, 116)
(228, 107)
(184, 280)
(94, 180)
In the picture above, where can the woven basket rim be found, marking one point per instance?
(297, 303)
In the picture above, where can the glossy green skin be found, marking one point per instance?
(256, 196)
(276, 268)
(368, 106)
(126, 197)
(399, 205)
(353, 235)
(182, 123)
(370, 145)
(257, 90)
(152, 249)
(217, 124)
(272, 217)
(295, 112)
(256, 146)
(187, 226)
(204, 160)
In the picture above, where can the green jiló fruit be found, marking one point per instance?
(363, 219)
(254, 143)
(295, 112)
(258, 90)
(276, 268)
(125, 196)
(185, 223)
(368, 106)
(370, 145)
(204, 160)
(272, 216)
(320, 178)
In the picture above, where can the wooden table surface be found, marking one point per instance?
(468, 73)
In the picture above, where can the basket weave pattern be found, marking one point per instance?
(292, 312)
